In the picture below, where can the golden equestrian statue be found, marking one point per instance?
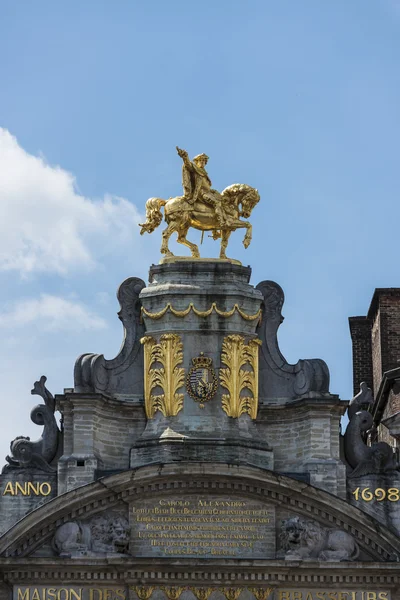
(201, 207)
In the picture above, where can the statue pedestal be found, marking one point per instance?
(201, 306)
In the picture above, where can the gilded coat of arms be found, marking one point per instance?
(201, 382)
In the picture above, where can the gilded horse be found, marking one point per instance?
(237, 200)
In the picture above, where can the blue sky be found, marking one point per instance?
(298, 99)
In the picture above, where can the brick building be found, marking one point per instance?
(376, 359)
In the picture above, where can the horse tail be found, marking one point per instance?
(154, 215)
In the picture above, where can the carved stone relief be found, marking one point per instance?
(102, 534)
(40, 453)
(363, 459)
(302, 539)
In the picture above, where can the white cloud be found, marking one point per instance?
(45, 224)
(51, 313)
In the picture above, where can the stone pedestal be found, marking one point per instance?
(201, 303)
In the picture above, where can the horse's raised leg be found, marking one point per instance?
(166, 234)
(248, 236)
(225, 235)
(182, 240)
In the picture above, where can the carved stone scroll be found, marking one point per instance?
(124, 373)
(279, 379)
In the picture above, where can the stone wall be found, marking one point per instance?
(305, 439)
(23, 490)
(384, 510)
(99, 433)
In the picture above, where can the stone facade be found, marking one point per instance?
(200, 464)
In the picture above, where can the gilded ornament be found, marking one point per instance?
(202, 313)
(201, 382)
(236, 355)
(202, 593)
(169, 377)
(201, 207)
(173, 593)
(143, 592)
(261, 593)
(232, 593)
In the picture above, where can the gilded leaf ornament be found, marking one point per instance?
(202, 593)
(261, 593)
(143, 592)
(232, 593)
(173, 593)
(169, 377)
(240, 376)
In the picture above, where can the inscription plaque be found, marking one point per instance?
(203, 526)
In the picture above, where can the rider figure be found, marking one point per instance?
(197, 184)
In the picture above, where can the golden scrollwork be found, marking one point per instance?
(261, 593)
(173, 593)
(201, 207)
(202, 313)
(170, 377)
(202, 593)
(143, 592)
(232, 593)
(236, 354)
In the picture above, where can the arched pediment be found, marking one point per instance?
(180, 479)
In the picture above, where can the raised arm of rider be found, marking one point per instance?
(185, 157)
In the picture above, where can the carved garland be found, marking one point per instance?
(202, 313)
(170, 377)
(236, 355)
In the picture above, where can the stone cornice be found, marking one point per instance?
(103, 404)
(292, 495)
(313, 401)
(240, 573)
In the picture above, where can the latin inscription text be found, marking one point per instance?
(201, 527)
